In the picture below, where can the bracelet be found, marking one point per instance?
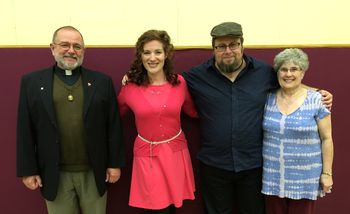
(327, 173)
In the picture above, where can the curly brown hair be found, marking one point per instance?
(138, 73)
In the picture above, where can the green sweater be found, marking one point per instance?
(68, 102)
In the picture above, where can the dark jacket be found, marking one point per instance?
(38, 140)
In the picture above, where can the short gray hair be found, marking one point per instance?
(294, 55)
(66, 28)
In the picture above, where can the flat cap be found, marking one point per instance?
(227, 29)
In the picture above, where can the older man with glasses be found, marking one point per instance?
(68, 131)
(230, 91)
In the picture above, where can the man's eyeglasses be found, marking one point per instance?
(223, 47)
(66, 46)
(292, 69)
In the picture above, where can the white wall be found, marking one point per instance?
(120, 22)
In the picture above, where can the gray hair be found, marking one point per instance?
(66, 28)
(294, 55)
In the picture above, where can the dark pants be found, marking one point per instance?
(226, 191)
(276, 205)
(169, 210)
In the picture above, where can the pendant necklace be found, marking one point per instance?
(70, 97)
(69, 89)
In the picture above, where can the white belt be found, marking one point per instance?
(157, 142)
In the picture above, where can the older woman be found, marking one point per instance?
(298, 145)
(162, 175)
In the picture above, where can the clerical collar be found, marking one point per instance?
(67, 79)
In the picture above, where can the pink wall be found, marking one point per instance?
(328, 70)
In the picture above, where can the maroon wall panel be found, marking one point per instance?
(328, 70)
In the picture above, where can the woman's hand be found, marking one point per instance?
(326, 183)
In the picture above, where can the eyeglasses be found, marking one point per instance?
(292, 70)
(66, 46)
(231, 46)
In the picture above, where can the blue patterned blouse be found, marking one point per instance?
(292, 149)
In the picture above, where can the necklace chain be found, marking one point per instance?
(70, 96)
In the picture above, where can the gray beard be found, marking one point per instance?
(65, 66)
(70, 66)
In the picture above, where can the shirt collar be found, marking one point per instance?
(59, 71)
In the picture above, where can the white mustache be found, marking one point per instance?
(71, 56)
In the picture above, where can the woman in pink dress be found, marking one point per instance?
(162, 175)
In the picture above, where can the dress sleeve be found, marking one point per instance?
(122, 98)
(188, 106)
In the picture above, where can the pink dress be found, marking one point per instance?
(162, 173)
